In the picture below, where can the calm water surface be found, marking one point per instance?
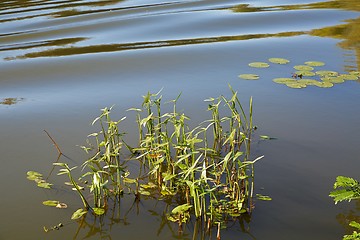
(61, 61)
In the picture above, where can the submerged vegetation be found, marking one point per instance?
(303, 75)
(206, 173)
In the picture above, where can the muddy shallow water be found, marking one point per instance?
(62, 61)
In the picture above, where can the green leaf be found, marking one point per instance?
(305, 73)
(354, 224)
(99, 211)
(249, 76)
(324, 84)
(279, 60)
(264, 137)
(181, 209)
(349, 77)
(78, 214)
(315, 63)
(296, 85)
(51, 203)
(32, 175)
(283, 80)
(354, 73)
(303, 68)
(326, 73)
(342, 195)
(144, 192)
(44, 185)
(130, 180)
(259, 64)
(342, 181)
(263, 197)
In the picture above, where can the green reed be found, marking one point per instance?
(206, 169)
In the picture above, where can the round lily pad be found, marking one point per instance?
(354, 73)
(308, 81)
(348, 77)
(283, 80)
(296, 84)
(303, 68)
(326, 73)
(249, 76)
(279, 60)
(314, 63)
(333, 79)
(325, 84)
(259, 64)
(305, 73)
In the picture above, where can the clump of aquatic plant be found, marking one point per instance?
(206, 172)
(208, 167)
(347, 189)
(304, 75)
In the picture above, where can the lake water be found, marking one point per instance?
(61, 61)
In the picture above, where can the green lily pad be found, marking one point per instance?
(354, 73)
(333, 79)
(249, 76)
(296, 85)
(279, 60)
(283, 80)
(78, 214)
(303, 68)
(51, 203)
(259, 64)
(325, 84)
(348, 77)
(305, 73)
(99, 211)
(315, 63)
(327, 73)
(308, 81)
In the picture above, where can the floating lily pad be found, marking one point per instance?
(51, 203)
(325, 84)
(303, 68)
(308, 81)
(279, 60)
(315, 63)
(283, 80)
(78, 214)
(259, 64)
(249, 76)
(305, 73)
(296, 84)
(354, 73)
(348, 77)
(326, 73)
(333, 79)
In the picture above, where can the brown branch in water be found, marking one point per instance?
(55, 144)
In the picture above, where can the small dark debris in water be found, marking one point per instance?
(295, 76)
(56, 227)
(10, 101)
